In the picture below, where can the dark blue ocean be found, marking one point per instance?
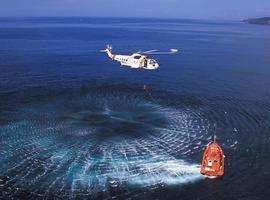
(76, 125)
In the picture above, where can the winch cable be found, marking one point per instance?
(147, 91)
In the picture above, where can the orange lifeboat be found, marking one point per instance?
(213, 161)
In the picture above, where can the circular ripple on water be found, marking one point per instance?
(102, 140)
(95, 141)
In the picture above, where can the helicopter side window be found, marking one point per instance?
(137, 57)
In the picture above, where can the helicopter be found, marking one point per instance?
(138, 59)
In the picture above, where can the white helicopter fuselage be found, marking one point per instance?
(135, 60)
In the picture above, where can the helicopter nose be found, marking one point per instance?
(155, 66)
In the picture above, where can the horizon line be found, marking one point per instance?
(125, 17)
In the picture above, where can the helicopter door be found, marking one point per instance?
(145, 63)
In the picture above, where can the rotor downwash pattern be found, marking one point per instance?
(96, 142)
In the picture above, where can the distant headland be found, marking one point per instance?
(262, 20)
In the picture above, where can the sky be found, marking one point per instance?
(193, 9)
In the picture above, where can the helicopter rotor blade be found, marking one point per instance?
(172, 51)
(150, 51)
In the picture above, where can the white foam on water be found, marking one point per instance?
(148, 172)
(169, 172)
(74, 155)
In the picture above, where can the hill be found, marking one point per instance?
(262, 20)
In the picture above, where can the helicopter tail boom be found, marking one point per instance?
(108, 50)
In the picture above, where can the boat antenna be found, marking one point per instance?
(215, 138)
(215, 132)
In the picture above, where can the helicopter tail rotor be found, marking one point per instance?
(108, 50)
(109, 47)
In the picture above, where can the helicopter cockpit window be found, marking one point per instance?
(152, 62)
(137, 57)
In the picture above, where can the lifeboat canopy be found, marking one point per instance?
(213, 161)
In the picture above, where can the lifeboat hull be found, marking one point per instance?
(213, 161)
